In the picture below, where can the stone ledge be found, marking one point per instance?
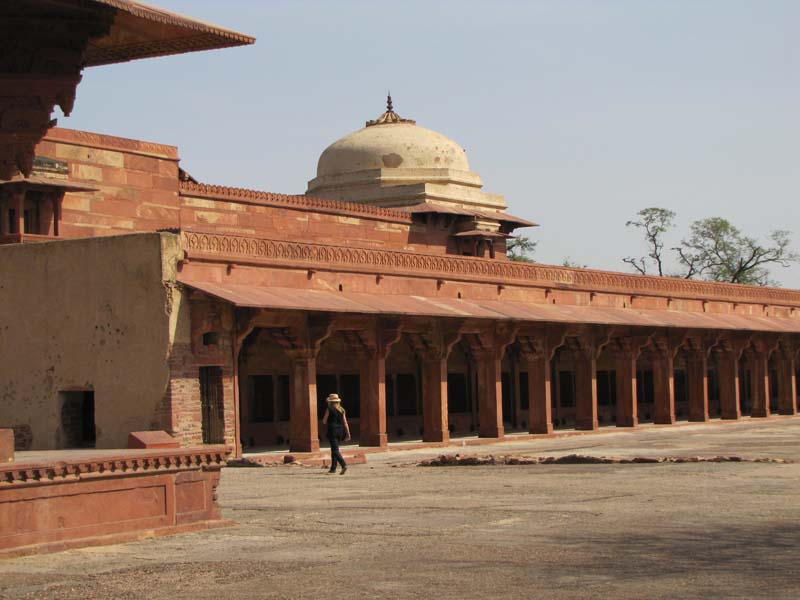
(111, 465)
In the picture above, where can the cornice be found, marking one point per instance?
(307, 203)
(109, 142)
(224, 247)
(159, 15)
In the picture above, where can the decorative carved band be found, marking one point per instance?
(115, 54)
(314, 255)
(107, 466)
(220, 192)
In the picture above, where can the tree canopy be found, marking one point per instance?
(521, 248)
(715, 250)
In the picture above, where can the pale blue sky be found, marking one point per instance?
(580, 112)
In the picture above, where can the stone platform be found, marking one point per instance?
(52, 501)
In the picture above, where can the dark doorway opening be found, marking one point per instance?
(77, 419)
(211, 403)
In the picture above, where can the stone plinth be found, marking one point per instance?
(66, 502)
(151, 440)
(6, 446)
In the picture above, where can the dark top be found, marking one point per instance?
(335, 424)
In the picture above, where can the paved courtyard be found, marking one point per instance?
(389, 529)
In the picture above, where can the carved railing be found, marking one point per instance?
(233, 194)
(468, 268)
(60, 471)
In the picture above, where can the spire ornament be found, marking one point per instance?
(389, 116)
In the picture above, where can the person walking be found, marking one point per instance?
(335, 420)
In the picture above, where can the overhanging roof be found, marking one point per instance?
(142, 31)
(46, 182)
(405, 305)
(443, 209)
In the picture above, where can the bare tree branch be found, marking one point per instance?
(655, 222)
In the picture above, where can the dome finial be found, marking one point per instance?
(389, 116)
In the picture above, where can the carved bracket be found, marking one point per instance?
(40, 67)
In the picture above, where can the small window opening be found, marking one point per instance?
(211, 338)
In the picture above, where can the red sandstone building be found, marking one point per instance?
(55, 500)
(225, 315)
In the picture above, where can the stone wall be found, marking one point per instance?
(90, 315)
(279, 216)
(136, 183)
(110, 498)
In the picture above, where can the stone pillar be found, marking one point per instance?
(787, 381)
(18, 201)
(664, 388)
(760, 380)
(626, 351)
(303, 407)
(728, 372)
(487, 349)
(490, 393)
(373, 384)
(627, 395)
(57, 198)
(697, 384)
(433, 347)
(515, 397)
(586, 390)
(4, 230)
(540, 407)
(372, 421)
(434, 399)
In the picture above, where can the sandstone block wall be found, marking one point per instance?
(137, 183)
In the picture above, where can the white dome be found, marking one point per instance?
(392, 145)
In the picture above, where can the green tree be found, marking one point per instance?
(718, 251)
(715, 250)
(573, 264)
(521, 248)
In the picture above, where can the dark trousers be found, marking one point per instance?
(336, 455)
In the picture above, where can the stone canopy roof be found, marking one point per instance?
(141, 31)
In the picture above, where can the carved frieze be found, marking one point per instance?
(216, 246)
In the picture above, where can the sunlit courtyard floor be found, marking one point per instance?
(390, 529)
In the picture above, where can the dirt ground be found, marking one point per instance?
(389, 529)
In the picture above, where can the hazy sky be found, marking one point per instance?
(579, 112)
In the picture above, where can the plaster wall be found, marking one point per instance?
(92, 315)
